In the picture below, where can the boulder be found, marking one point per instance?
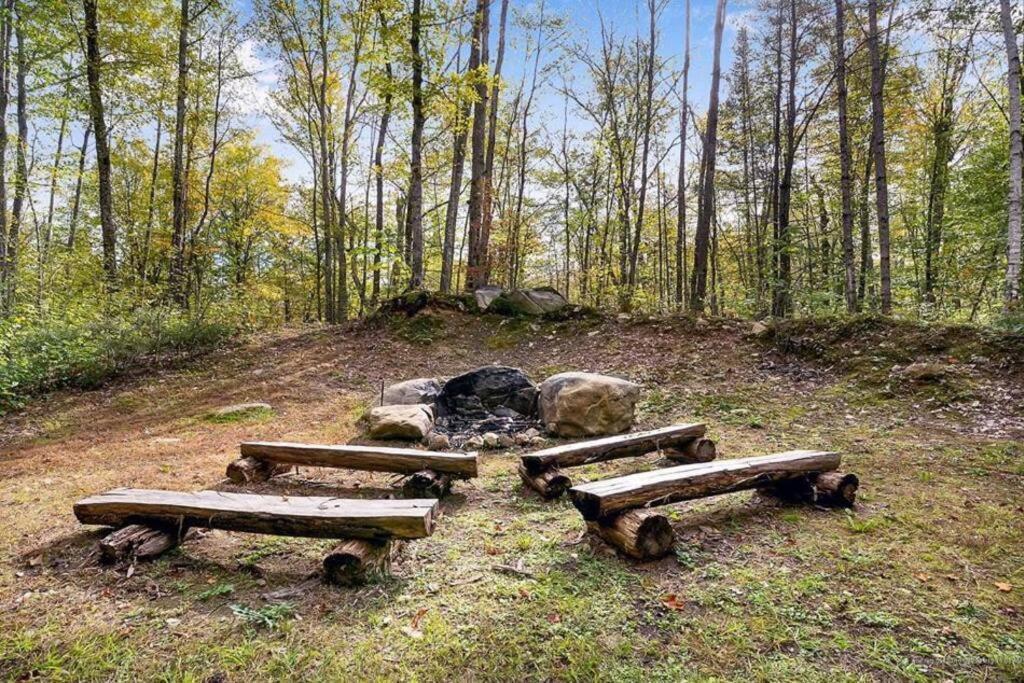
(438, 442)
(406, 422)
(485, 296)
(491, 386)
(585, 404)
(759, 330)
(924, 372)
(537, 301)
(412, 391)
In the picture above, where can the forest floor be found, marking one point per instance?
(923, 580)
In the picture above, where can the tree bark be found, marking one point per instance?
(93, 62)
(136, 542)
(176, 276)
(681, 182)
(77, 201)
(640, 534)
(355, 561)
(20, 163)
(451, 216)
(782, 301)
(698, 288)
(476, 269)
(845, 163)
(1013, 247)
(378, 162)
(878, 143)
(414, 209)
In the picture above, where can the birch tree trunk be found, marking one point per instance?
(1013, 233)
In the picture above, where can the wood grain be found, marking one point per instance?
(316, 517)
(612, 447)
(602, 498)
(367, 458)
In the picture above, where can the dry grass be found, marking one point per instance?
(904, 588)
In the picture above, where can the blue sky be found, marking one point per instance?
(626, 16)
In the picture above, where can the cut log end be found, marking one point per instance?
(427, 484)
(246, 469)
(696, 450)
(640, 534)
(550, 483)
(836, 489)
(356, 561)
(136, 542)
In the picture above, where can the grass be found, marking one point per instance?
(254, 414)
(902, 588)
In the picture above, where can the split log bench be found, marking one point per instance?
(618, 509)
(430, 473)
(542, 470)
(152, 521)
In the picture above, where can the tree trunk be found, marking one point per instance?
(176, 277)
(414, 209)
(20, 164)
(77, 201)
(698, 288)
(476, 269)
(681, 182)
(93, 61)
(845, 163)
(1013, 247)
(782, 297)
(878, 143)
(640, 534)
(378, 162)
(492, 103)
(451, 215)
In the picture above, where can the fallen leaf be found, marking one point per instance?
(1004, 587)
(673, 602)
(923, 578)
(554, 618)
(419, 615)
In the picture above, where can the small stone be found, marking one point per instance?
(474, 442)
(409, 422)
(522, 439)
(438, 442)
(490, 440)
(538, 441)
(506, 441)
(759, 330)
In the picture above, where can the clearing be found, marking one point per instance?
(923, 580)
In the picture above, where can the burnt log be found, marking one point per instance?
(641, 534)
(137, 542)
(549, 483)
(356, 561)
(427, 484)
(836, 489)
(695, 450)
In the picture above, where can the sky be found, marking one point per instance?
(583, 23)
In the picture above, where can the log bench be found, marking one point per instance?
(617, 509)
(150, 522)
(430, 473)
(542, 470)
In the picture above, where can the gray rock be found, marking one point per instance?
(537, 301)
(924, 372)
(241, 408)
(759, 330)
(474, 442)
(490, 440)
(585, 404)
(412, 391)
(438, 442)
(406, 422)
(506, 441)
(485, 296)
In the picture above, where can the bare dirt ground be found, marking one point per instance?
(924, 580)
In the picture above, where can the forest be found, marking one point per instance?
(173, 172)
(511, 340)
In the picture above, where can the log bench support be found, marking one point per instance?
(542, 470)
(246, 470)
(642, 534)
(137, 542)
(549, 483)
(357, 561)
(427, 484)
